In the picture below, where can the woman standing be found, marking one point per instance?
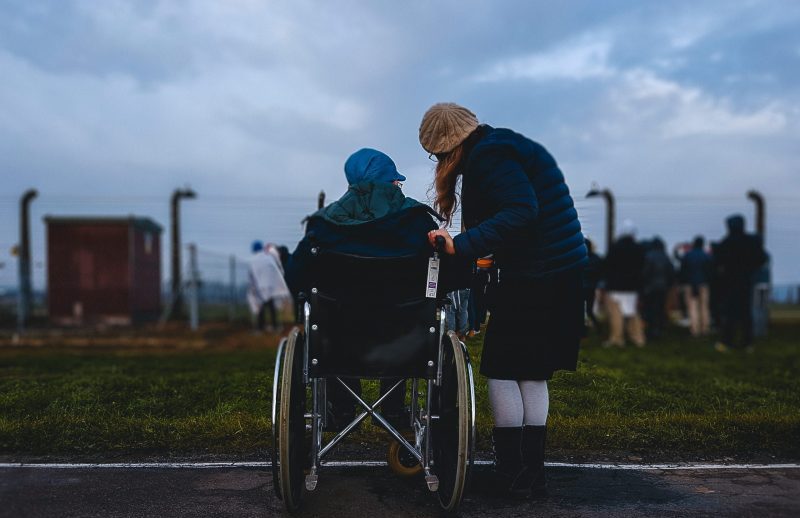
(515, 205)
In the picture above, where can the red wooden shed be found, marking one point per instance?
(103, 269)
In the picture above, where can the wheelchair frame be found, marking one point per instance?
(448, 410)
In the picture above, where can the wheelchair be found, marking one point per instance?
(372, 318)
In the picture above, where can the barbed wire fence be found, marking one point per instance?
(222, 284)
(223, 226)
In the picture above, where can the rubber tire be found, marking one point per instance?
(292, 444)
(276, 398)
(454, 390)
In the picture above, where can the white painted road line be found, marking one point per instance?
(369, 463)
(672, 467)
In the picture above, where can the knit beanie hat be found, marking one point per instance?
(444, 126)
(370, 165)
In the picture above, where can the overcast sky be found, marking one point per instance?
(680, 107)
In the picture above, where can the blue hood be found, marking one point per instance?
(370, 165)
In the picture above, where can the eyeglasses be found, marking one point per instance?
(436, 157)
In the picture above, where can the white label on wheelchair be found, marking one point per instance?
(433, 277)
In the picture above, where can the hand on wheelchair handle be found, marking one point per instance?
(441, 241)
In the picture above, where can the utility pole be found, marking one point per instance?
(177, 302)
(610, 211)
(24, 296)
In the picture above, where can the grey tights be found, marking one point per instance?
(517, 403)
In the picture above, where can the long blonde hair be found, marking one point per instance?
(447, 170)
(444, 183)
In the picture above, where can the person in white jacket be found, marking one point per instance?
(267, 288)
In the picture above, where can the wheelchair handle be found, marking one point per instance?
(439, 244)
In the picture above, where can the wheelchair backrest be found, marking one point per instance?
(370, 317)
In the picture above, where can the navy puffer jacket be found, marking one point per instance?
(516, 205)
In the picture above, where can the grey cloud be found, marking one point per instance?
(269, 98)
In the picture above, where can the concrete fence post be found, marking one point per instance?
(608, 196)
(24, 250)
(175, 220)
(194, 289)
(232, 294)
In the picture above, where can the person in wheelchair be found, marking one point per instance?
(372, 219)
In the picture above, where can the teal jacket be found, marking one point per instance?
(368, 203)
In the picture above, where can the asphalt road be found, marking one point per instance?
(374, 492)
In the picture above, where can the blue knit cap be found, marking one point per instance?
(370, 165)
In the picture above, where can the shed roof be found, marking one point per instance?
(137, 221)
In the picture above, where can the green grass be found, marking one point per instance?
(680, 398)
(61, 402)
(674, 400)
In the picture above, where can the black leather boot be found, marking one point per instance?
(531, 481)
(506, 443)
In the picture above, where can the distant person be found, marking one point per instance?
(737, 259)
(592, 277)
(695, 273)
(267, 286)
(658, 277)
(457, 313)
(623, 270)
(678, 251)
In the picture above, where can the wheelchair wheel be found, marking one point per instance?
(400, 461)
(293, 441)
(453, 433)
(276, 387)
